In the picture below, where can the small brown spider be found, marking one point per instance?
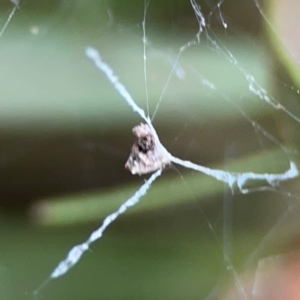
(145, 156)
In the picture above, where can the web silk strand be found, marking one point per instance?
(95, 56)
(77, 251)
(9, 17)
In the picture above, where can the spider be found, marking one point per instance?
(145, 156)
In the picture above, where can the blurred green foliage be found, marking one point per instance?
(65, 136)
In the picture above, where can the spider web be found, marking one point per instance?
(16, 5)
(182, 84)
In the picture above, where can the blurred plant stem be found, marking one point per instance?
(74, 209)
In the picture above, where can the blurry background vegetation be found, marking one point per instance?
(66, 134)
